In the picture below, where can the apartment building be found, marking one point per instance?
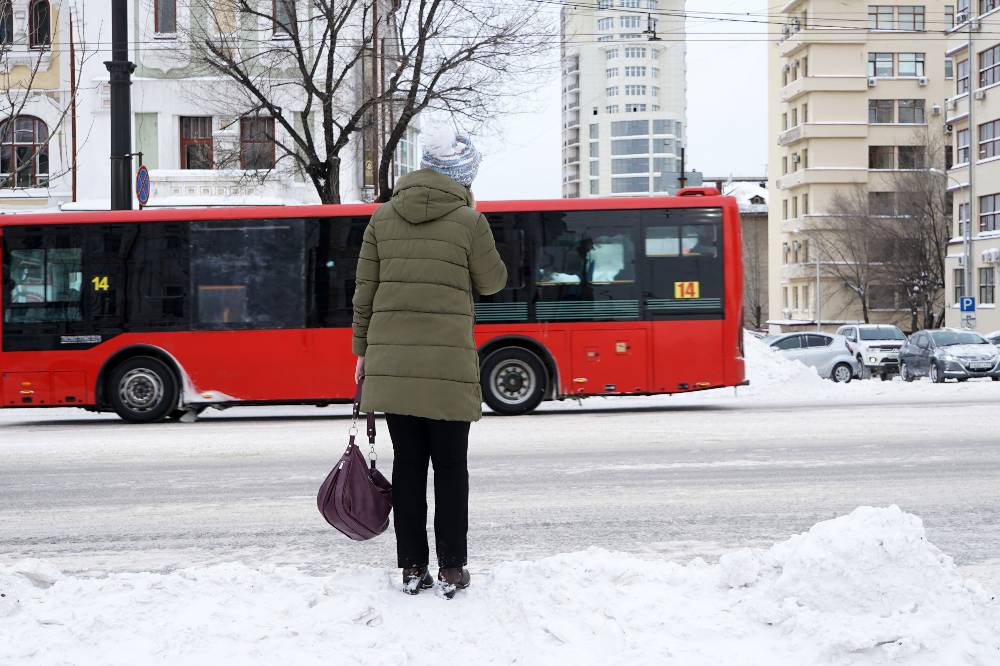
(202, 144)
(856, 89)
(624, 97)
(973, 114)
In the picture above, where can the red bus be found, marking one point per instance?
(156, 313)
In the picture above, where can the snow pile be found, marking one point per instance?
(770, 372)
(861, 589)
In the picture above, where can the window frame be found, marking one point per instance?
(989, 74)
(156, 17)
(188, 141)
(6, 23)
(244, 141)
(989, 212)
(987, 285)
(39, 149)
(33, 29)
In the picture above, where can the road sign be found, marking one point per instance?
(969, 321)
(142, 185)
(967, 303)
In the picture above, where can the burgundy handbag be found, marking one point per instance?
(356, 498)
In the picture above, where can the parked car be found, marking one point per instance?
(877, 347)
(993, 338)
(831, 355)
(948, 353)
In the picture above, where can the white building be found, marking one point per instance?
(624, 97)
(200, 149)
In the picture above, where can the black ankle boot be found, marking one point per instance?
(416, 579)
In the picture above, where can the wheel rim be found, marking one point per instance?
(512, 382)
(934, 373)
(141, 390)
(904, 372)
(842, 374)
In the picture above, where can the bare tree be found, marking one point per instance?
(25, 145)
(329, 71)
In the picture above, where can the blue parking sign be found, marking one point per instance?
(967, 304)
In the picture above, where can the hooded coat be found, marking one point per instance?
(423, 253)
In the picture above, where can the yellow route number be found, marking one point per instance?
(687, 290)
(101, 283)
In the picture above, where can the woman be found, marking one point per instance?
(423, 253)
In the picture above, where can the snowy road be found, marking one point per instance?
(673, 477)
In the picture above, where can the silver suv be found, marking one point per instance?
(877, 347)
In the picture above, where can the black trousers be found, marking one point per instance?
(415, 441)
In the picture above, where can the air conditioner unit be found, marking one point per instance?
(991, 256)
(872, 80)
(923, 80)
(936, 110)
(949, 128)
(961, 261)
(979, 94)
(949, 105)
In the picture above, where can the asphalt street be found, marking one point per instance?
(655, 476)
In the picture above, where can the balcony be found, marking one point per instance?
(840, 130)
(824, 175)
(808, 84)
(802, 38)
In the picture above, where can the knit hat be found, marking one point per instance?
(450, 154)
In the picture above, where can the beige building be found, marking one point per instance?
(976, 132)
(624, 97)
(852, 86)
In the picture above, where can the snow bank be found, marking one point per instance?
(770, 372)
(861, 589)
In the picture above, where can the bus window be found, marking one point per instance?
(336, 269)
(684, 266)
(42, 284)
(249, 273)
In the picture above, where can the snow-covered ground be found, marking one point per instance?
(646, 530)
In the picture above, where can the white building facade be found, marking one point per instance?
(624, 97)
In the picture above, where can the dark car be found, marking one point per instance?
(948, 353)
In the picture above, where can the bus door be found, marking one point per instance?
(587, 271)
(683, 295)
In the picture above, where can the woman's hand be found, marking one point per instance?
(359, 370)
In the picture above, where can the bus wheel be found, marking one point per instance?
(143, 390)
(513, 381)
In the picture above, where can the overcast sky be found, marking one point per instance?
(726, 114)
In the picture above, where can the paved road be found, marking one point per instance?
(654, 476)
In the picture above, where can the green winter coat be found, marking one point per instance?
(423, 253)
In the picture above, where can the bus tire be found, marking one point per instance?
(142, 389)
(513, 380)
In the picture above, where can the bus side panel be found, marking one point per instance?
(732, 337)
(554, 341)
(332, 362)
(685, 355)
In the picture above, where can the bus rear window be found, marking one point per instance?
(44, 285)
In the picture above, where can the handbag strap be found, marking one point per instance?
(370, 418)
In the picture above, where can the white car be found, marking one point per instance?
(877, 347)
(993, 338)
(831, 355)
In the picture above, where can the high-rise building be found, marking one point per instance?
(856, 91)
(624, 97)
(975, 126)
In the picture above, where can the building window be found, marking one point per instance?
(663, 146)
(196, 143)
(910, 64)
(805, 113)
(880, 17)
(635, 108)
(257, 143)
(595, 168)
(910, 18)
(635, 52)
(638, 185)
(949, 68)
(604, 4)
(630, 128)
(611, 72)
(784, 165)
(795, 117)
(989, 140)
(165, 16)
(795, 207)
(959, 287)
(631, 22)
(630, 165)
(24, 153)
(962, 84)
(635, 71)
(284, 16)
(911, 157)
(805, 203)
(987, 286)
(988, 5)
(962, 13)
(612, 109)
(39, 25)
(880, 157)
(612, 91)
(595, 186)
(882, 203)
(595, 131)
(605, 24)
(989, 212)
(634, 91)
(962, 146)
(784, 209)
(880, 111)
(879, 64)
(989, 66)
(784, 121)
(963, 218)
(655, 92)
(612, 54)
(949, 16)
(911, 111)
(6, 23)
(595, 149)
